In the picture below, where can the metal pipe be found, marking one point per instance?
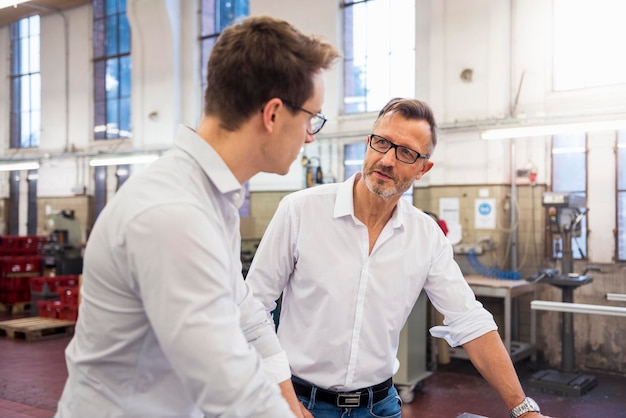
(544, 305)
(619, 297)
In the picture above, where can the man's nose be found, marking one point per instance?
(309, 138)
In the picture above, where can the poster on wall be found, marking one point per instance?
(449, 208)
(485, 213)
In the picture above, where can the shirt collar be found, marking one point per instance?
(211, 163)
(344, 205)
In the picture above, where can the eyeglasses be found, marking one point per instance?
(317, 119)
(403, 154)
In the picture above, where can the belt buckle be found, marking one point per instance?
(349, 400)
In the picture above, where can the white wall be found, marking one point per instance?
(507, 45)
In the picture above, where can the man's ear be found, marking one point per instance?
(269, 111)
(427, 166)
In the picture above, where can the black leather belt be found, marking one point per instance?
(353, 399)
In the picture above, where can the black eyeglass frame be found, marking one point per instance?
(319, 115)
(395, 146)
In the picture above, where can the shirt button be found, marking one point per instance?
(236, 196)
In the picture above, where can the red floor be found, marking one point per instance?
(32, 375)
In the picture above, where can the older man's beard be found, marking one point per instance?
(376, 187)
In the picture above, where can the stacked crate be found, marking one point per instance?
(20, 259)
(55, 296)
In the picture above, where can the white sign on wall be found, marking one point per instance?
(485, 214)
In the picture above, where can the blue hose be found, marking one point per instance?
(491, 271)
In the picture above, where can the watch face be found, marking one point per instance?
(529, 405)
(532, 404)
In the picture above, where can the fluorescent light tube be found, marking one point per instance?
(555, 129)
(123, 159)
(19, 165)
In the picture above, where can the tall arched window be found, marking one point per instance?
(112, 70)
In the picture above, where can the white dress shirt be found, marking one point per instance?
(343, 308)
(166, 321)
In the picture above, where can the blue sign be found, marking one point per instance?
(484, 209)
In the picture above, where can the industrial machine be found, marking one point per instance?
(565, 212)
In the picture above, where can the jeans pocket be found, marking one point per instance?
(390, 407)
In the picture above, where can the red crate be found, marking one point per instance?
(69, 312)
(14, 296)
(15, 283)
(9, 241)
(50, 308)
(37, 284)
(50, 284)
(20, 264)
(61, 281)
(68, 295)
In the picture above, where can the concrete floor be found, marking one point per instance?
(32, 375)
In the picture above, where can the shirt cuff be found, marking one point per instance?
(472, 325)
(277, 367)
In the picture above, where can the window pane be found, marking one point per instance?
(100, 118)
(124, 117)
(112, 78)
(25, 129)
(98, 8)
(23, 28)
(124, 76)
(99, 33)
(569, 163)
(111, 35)
(35, 88)
(16, 88)
(34, 54)
(111, 7)
(208, 17)
(569, 174)
(33, 23)
(124, 47)
(113, 119)
(35, 126)
(24, 56)
(25, 90)
(354, 154)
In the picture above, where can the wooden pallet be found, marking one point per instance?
(15, 308)
(36, 328)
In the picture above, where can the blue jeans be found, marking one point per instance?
(389, 407)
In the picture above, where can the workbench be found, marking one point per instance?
(507, 290)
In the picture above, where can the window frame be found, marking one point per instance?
(402, 78)
(575, 241)
(24, 73)
(111, 120)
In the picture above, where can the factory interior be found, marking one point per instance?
(528, 182)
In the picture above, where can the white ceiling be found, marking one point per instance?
(41, 7)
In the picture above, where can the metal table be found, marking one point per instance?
(506, 290)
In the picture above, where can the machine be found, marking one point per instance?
(565, 212)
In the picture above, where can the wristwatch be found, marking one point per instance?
(528, 405)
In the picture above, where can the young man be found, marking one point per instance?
(167, 326)
(351, 259)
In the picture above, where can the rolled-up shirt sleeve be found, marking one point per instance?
(465, 328)
(465, 318)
